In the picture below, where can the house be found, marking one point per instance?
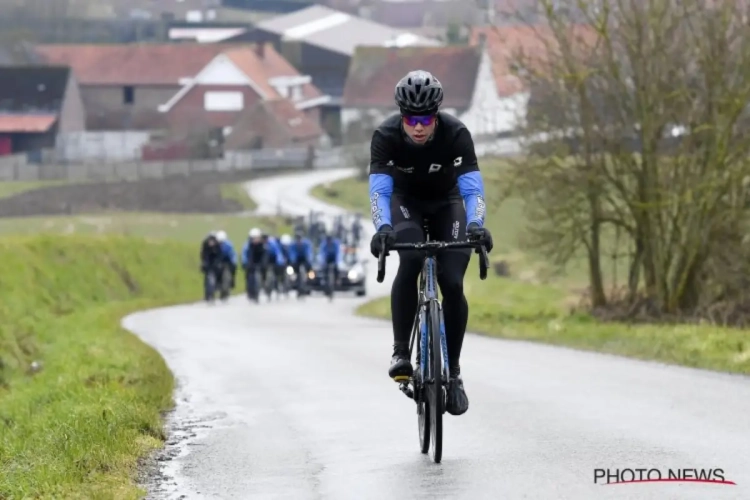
(418, 13)
(122, 85)
(465, 73)
(320, 42)
(513, 48)
(36, 104)
(273, 124)
(186, 88)
(204, 32)
(234, 83)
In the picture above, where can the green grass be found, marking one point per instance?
(178, 227)
(535, 303)
(238, 193)
(348, 193)
(77, 427)
(12, 188)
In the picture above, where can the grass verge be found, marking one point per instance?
(535, 303)
(177, 227)
(237, 192)
(349, 193)
(12, 187)
(76, 426)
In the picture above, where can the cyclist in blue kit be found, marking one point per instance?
(423, 164)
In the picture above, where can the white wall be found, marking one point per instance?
(489, 113)
(354, 115)
(221, 71)
(110, 146)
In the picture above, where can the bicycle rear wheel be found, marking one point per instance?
(436, 396)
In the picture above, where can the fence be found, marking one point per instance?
(19, 168)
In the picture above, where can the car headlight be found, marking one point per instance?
(353, 275)
(311, 274)
(290, 270)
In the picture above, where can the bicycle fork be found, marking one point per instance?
(421, 330)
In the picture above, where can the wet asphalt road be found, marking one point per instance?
(292, 400)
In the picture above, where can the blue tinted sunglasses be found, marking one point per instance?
(425, 121)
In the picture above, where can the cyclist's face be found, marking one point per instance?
(419, 128)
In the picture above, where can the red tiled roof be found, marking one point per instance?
(10, 123)
(132, 64)
(527, 44)
(261, 65)
(374, 72)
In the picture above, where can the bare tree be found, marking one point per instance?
(643, 105)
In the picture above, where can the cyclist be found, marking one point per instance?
(254, 256)
(228, 253)
(275, 259)
(211, 258)
(329, 254)
(300, 254)
(356, 229)
(285, 243)
(423, 164)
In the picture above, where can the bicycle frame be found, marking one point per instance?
(428, 289)
(428, 298)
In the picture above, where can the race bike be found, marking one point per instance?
(217, 277)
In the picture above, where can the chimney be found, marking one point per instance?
(260, 49)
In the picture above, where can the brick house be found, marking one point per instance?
(186, 88)
(234, 83)
(36, 104)
(123, 85)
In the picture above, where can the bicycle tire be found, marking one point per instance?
(210, 285)
(423, 407)
(437, 397)
(226, 279)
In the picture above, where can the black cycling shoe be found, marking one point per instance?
(457, 402)
(400, 369)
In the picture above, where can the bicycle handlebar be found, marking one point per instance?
(436, 247)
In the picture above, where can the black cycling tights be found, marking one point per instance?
(451, 267)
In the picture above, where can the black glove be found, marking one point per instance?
(476, 233)
(375, 243)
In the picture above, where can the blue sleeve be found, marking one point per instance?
(471, 187)
(232, 254)
(276, 250)
(308, 251)
(243, 256)
(381, 189)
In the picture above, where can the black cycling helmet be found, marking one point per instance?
(419, 93)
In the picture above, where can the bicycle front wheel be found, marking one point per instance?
(436, 396)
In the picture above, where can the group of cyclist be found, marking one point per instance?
(423, 167)
(348, 233)
(266, 259)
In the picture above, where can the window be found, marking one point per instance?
(223, 101)
(128, 95)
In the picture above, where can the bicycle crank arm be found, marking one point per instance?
(404, 387)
